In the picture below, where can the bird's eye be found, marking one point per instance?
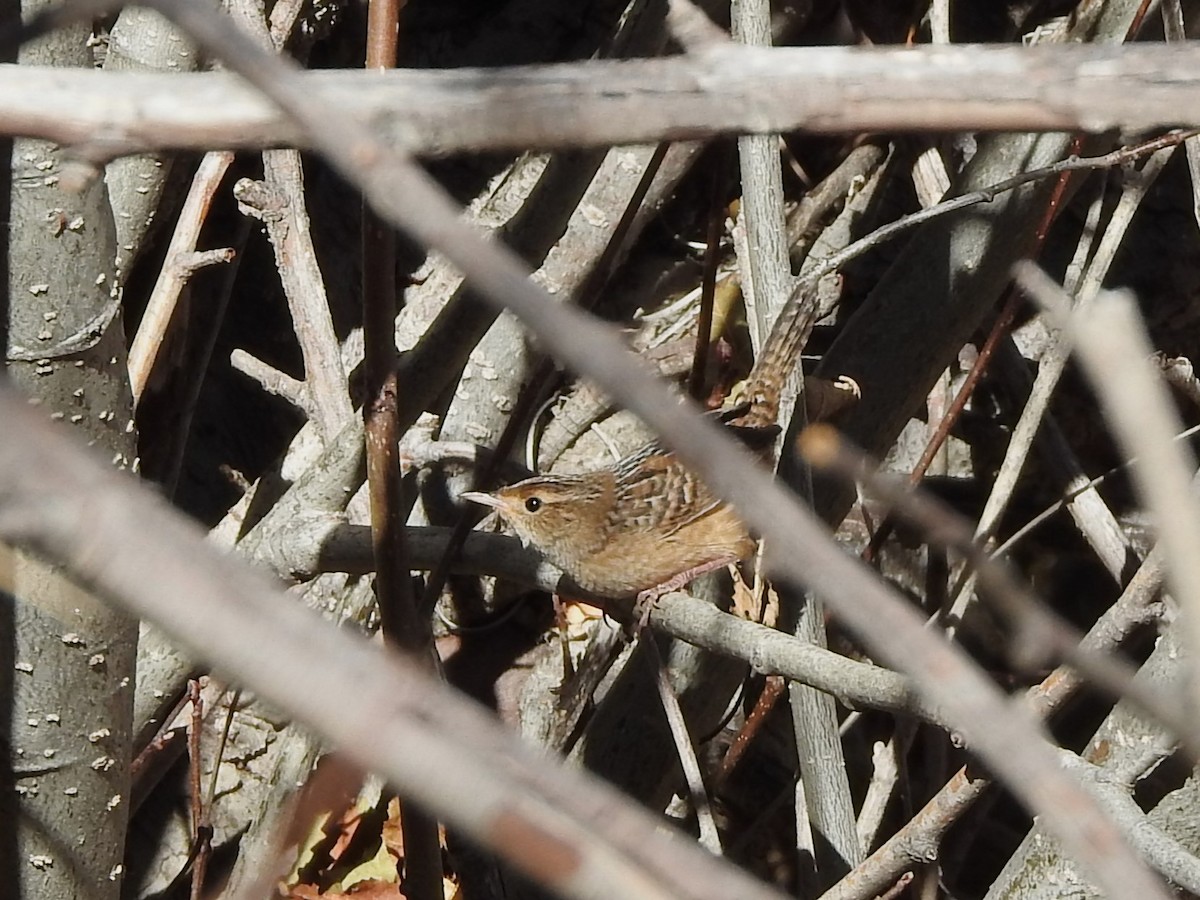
(533, 504)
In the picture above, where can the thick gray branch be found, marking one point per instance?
(723, 89)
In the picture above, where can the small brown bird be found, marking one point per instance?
(648, 524)
(643, 524)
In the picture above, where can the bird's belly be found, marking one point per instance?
(635, 561)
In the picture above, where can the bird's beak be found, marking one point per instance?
(481, 498)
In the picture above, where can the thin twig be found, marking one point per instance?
(271, 379)
(1005, 548)
(756, 719)
(1032, 415)
(698, 377)
(199, 809)
(1119, 157)
(403, 623)
(160, 309)
(393, 583)
(710, 838)
(1053, 363)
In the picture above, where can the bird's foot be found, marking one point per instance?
(643, 605)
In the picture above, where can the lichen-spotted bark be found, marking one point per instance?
(66, 682)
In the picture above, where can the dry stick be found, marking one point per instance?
(202, 806)
(199, 843)
(174, 277)
(1128, 748)
(403, 624)
(885, 233)
(1139, 17)
(756, 719)
(698, 377)
(393, 583)
(875, 347)
(999, 331)
(205, 340)
(383, 710)
(812, 209)
(1169, 855)
(273, 381)
(1038, 631)
(720, 90)
(692, 27)
(827, 843)
(203, 829)
(181, 263)
(885, 776)
(153, 759)
(829, 197)
(304, 287)
(1112, 345)
(1009, 742)
(283, 17)
(279, 202)
(199, 813)
(710, 838)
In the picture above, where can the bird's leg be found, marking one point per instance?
(646, 599)
(560, 621)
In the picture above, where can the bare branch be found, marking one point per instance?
(725, 89)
